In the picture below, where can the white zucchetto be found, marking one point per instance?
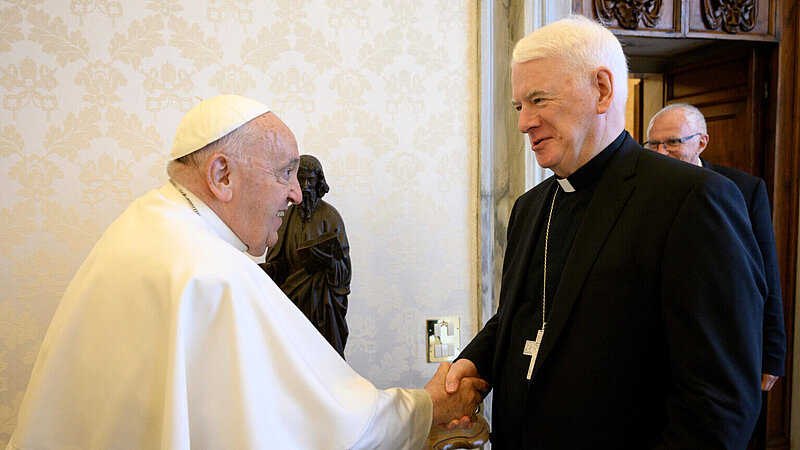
(212, 119)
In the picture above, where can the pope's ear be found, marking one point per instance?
(218, 177)
(604, 81)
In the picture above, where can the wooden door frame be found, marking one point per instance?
(784, 164)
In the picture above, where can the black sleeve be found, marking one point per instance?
(713, 291)
(774, 333)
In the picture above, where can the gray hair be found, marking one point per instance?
(582, 45)
(694, 117)
(232, 144)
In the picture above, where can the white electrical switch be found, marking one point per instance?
(443, 338)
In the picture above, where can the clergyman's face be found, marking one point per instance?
(672, 124)
(556, 112)
(269, 185)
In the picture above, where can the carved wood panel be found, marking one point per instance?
(707, 19)
(732, 19)
(733, 15)
(629, 14)
(661, 17)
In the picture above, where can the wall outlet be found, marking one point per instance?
(443, 338)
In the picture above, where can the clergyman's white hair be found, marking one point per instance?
(694, 117)
(581, 45)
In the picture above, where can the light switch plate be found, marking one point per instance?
(443, 338)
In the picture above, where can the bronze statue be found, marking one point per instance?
(311, 260)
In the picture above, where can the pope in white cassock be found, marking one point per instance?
(170, 336)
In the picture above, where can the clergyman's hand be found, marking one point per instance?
(768, 381)
(459, 406)
(458, 370)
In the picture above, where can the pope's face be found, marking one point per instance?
(267, 188)
(556, 112)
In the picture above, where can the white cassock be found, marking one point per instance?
(171, 337)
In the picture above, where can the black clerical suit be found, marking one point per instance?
(654, 331)
(754, 191)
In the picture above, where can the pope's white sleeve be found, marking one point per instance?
(402, 420)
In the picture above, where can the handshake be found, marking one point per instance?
(456, 392)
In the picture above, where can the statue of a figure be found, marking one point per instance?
(311, 260)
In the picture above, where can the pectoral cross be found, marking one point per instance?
(532, 349)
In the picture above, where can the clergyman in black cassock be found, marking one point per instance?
(653, 319)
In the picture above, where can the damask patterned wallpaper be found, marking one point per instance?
(383, 92)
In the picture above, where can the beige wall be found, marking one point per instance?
(384, 93)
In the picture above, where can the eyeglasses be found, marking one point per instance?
(670, 144)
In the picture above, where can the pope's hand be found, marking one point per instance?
(458, 407)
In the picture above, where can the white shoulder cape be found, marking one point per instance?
(170, 337)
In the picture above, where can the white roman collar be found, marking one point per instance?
(565, 185)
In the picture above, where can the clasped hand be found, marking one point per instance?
(455, 409)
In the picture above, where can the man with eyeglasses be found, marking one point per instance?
(679, 131)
